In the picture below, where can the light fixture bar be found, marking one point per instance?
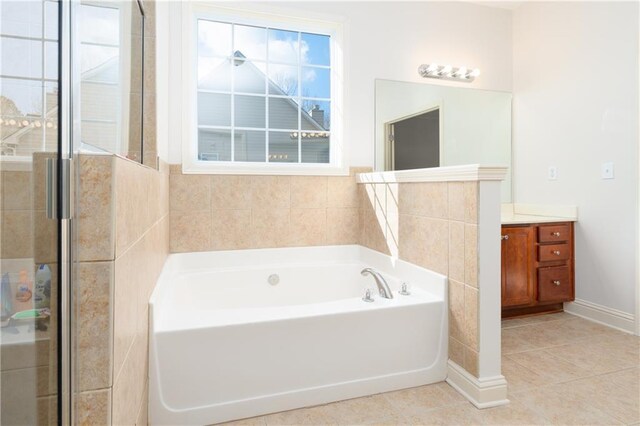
(448, 72)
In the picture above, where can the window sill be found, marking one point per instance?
(271, 169)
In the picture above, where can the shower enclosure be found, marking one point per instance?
(70, 82)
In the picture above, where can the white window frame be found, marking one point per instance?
(191, 13)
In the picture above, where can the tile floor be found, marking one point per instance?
(561, 369)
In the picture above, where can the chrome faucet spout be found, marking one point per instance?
(383, 287)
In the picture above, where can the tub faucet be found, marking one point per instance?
(383, 287)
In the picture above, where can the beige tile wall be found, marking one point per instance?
(149, 128)
(433, 225)
(226, 212)
(130, 206)
(16, 214)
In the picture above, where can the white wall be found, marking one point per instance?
(387, 40)
(575, 80)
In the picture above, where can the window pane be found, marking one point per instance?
(214, 145)
(214, 39)
(21, 58)
(20, 98)
(283, 147)
(50, 123)
(99, 101)
(283, 46)
(250, 41)
(51, 20)
(214, 109)
(214, 74)
(315, 49)
(51, 60)
(21, 18)
(98, 24)
(316, 115)
(316, 82)
(283, 113)
(100, 134)
(250, 111)
(315, 147)
(26, 142)
(249, 76)
(51, 101)
(283, 80)
(100, 63)
(250, 145)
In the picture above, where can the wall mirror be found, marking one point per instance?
(424, 125)
(110, 35)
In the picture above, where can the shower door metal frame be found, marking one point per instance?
(69, 128)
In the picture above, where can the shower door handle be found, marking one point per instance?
(59, 205)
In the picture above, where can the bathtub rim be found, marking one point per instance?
(175, 263)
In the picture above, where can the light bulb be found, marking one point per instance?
(432, 68)
(475, 73)
(461, 72)
(446, 70)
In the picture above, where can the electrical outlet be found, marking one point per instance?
(607, 170)
(553, 173)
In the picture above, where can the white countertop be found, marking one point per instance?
(519, 214)
(517, 219)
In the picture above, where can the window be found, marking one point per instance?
(28, 77)
(263, 94)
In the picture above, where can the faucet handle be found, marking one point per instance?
(367, 296)
(404, 289)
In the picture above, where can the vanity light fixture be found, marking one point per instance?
(447, 72)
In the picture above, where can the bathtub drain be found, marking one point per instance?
(273, 279)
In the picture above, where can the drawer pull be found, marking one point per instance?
(555, 234)
(556, 282)
(504, 237)
(556, 252)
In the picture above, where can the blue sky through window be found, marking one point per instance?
(311, 51)
(319, 52)
(271, 122)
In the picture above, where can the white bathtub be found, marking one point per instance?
(226, 344)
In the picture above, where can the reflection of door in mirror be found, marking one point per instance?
(414, 142)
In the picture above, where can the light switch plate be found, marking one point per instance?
(607, 170)
(553, 173)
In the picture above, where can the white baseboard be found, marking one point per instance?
(483, 393)
(601, 314)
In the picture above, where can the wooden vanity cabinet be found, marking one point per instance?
(537, 268)
(517, 266)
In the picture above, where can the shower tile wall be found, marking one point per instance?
(433, 225)
(126, 204)
(149, 128)
(225, 212)
(123, 228)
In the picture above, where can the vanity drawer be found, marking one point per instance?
(553, 233)
(553, 252)
(554, 284)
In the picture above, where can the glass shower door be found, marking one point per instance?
(34, 240)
